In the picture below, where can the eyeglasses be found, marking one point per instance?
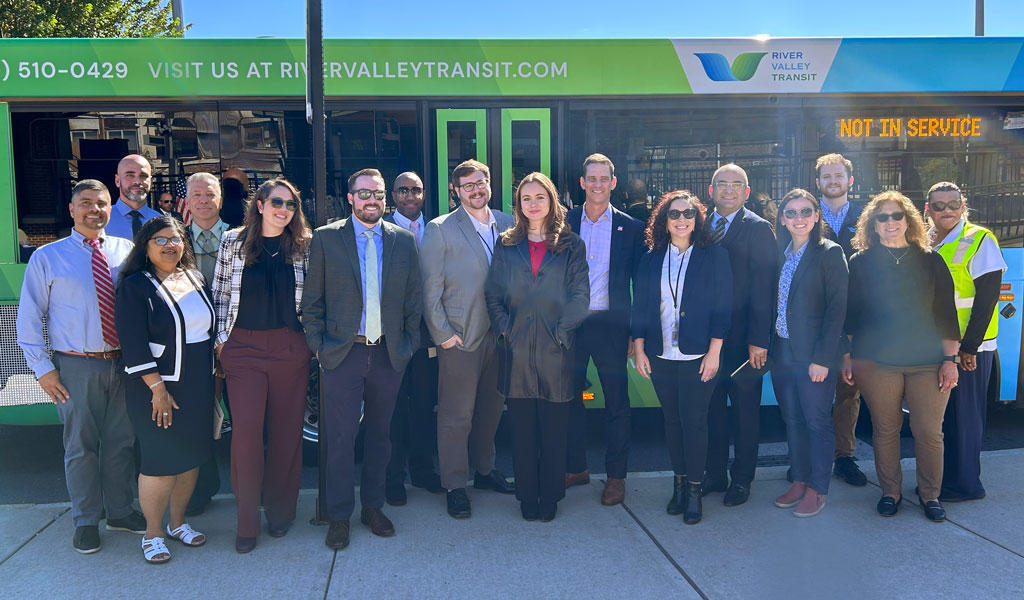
(162, 241)
(291, 205)
(736, 186)
(475, 185)
(805, 212)
(405, 191)
(365, 194)
(884, 217)
(674, 214)
(939, 206)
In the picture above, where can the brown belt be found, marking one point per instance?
(361, 339)
(109, 355)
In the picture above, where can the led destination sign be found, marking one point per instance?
(910, 127)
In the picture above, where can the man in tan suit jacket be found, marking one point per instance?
(455, 255)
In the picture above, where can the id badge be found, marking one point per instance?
(675, 334)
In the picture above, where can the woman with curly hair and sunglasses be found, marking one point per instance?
(902, 322)
(682, 307)
(257, 290)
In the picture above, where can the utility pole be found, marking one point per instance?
(178, 15)
(979, 17)
(315, 116)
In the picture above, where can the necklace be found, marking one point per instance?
(279, 251)
(897, 258)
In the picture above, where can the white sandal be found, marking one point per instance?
(186, 535)
(154, 547)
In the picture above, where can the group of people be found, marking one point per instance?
(477, 310)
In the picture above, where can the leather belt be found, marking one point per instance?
(361, 339)
(108, 355)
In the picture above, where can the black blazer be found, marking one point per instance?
(151, 327)
(425, 339)
(623, 257)
(332, 299)
(844, 237)
(705, 308)
(535, 320)
(816, 305)
(754, 258)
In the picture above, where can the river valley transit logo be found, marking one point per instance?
(718, 69)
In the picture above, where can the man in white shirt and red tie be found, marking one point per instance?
(414, 424)
(69, 284)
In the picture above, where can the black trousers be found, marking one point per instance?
(538, 448)
(963, 430)
(414, 424)
(742, 424)
(606, 340)
(684, 401)
(365, 378)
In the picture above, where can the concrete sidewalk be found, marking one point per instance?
(631, 551)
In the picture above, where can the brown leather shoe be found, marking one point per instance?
(380, 525)
(581, 478)
(614, 491)
(337, 535)
(244, 545)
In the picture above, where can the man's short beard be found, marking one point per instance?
(372, 220)
(139, 198)
(824, 192)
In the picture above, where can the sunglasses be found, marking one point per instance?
(405, 191)
(805, 212)
(675, 214)
(366, 194)
(884, 217)
(162, 241)
(291, 205)
(941, 206)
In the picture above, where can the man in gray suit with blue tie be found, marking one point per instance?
(361, 307)
(455, 255)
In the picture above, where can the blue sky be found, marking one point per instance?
(603, 18)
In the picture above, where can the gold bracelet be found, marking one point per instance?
(156, 384)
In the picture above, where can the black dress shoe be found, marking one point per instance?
(889, 506)
(87, 539)
(133, 522)
(713, 485)
(530, 510)
(675, 505)
(694, 509)
(737, 494)
(337, 535)
(244, 545)
(933, 510)
(458, 504)
(395, 494)
(547, 511)
(429, 481)
(379, 525)
(494, 480)
(279, 530)
(847, 470)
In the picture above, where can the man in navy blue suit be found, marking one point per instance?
(753, 256)
(614, 245)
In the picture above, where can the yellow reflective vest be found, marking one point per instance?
(958, 255)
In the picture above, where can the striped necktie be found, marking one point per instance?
(104, 292)
(719, 231)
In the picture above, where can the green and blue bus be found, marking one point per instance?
(907, 112)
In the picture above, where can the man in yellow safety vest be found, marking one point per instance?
(973, 256)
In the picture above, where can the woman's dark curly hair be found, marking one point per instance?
(656, 235)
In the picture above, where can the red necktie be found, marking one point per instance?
(104, 292)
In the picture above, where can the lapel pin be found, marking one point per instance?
(619, 228)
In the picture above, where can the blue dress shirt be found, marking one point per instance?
(785, 282)
(378, 241)
(59, 288)
(121, 224)
(835, 219)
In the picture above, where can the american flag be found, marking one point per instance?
(180, 194)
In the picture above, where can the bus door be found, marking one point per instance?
(513, 142)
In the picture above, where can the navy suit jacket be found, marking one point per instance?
(425, 340)
(705, 305)
(844, 237)
(754, 258)
(816, 305)
(623, 257)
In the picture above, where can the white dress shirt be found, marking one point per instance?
(669, 313)
(597, 235)
(487, 232)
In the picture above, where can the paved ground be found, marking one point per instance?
(633, 550)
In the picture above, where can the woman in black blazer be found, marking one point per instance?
(538, 292)
(165, 322)
(808, 346)
(682, 308)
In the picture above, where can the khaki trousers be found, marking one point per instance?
(884, 388)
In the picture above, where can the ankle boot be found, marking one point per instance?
(675, 505)
(694, 508)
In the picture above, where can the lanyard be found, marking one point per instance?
(494, 239)
(679, 275)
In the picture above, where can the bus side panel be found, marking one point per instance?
(1009, 340)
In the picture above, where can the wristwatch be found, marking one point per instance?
(954, 359)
